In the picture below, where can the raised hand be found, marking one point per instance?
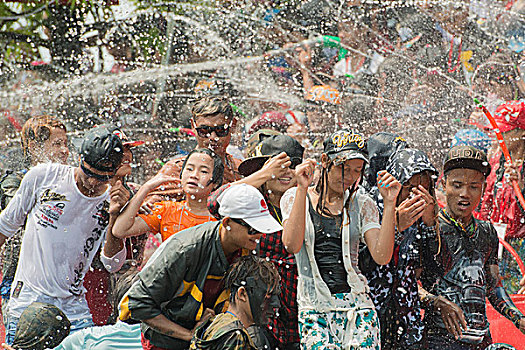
(304, 173)
(429, 214)
(409, 211)
(119, 196)
(277, 165)
(160, 179)
(388, 186)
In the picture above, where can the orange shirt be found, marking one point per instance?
(171, 217)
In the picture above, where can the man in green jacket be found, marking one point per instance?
(181, 286)
(254, 296)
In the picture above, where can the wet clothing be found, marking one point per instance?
(64, 230)
(284, 327)
(223, 332)
(329, 251)
(393, 287)
(174, 168)
(120, 336)
(11, 249)
(314, 295)
(348, 325)
(460, 272)
(170, 217)
(174, 280)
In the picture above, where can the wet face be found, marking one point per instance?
(283, 183)
(197, 174)
(424, 179)
(125, 165)
(54, 149)
(213, 132)
(91, 181)
(263, 302)
(239, 237)
(463, 190)
(352, 170)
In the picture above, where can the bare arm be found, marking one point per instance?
(380, 241)
(163, 325)
(275, 166)
(119, 196)
(128, 224)
(500, 299)
(294, 226)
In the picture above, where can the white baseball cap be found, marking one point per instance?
(245, 202)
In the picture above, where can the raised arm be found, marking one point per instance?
(380, 241)
(128, 224)
(114, 253)
(294, 225)
(500, 299)
(274, 167)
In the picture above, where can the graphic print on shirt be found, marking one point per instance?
(102, 217)
(49, 213)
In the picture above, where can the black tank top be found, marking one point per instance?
(328, 251)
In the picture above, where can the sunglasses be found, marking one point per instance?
(251, 230)
(220, 130)
(89, 173)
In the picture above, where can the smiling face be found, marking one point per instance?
(352, 170)
(283, 183)
(463, 189)
(197, 174)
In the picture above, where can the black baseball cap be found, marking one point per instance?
(345, 144)
(102, 148)
(466, 157)
(269, 147)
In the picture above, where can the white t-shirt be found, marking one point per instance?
(64, 230)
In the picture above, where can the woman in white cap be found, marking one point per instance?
(323, 226)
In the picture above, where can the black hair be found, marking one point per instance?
(321, 189)
(218, 165)
(250, 267)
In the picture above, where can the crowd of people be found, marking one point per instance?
(367, 216)
(352, 250)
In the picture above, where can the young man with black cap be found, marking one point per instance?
(461, 265)
(180, 286)
(66, 211)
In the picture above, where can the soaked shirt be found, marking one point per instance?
(328, 251)
(170, 217)
(460, 270)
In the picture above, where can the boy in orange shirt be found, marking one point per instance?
(202, 173)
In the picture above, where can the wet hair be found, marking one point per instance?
(253, 267)
(122, 286)
(321, 189)
(209, 106)
(38, 129)
(218, 165)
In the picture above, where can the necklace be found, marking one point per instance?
(470, 230)
(276, 213)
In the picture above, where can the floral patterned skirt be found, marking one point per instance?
(348, 327)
